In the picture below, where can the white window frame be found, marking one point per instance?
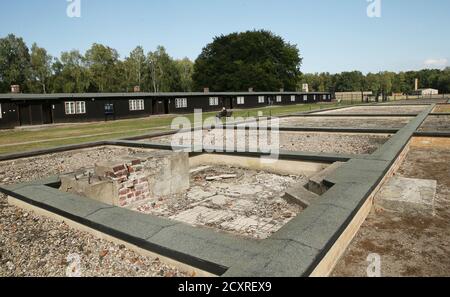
(293, 98)
(261, 99)
(1, 113)
(305, 98)
(136, 104)
(315, 97)
(241, 100)
(325, 97)
(213, 101)
(180, 103)
(279, 98)
(80, 107)
(69, 107)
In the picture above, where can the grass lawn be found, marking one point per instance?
(30, 139)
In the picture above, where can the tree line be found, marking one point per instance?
(235, 62)
(382, 83)
(97, 70)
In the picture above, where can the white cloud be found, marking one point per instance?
(436, 62)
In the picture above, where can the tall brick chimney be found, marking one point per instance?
(15, 89)
(416, 84)
(137, 89)
(206, 90)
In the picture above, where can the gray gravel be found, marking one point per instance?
(32, 245)
(346, 122)
(317, 142)
(381, 109)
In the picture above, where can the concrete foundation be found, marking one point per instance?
(126, 180)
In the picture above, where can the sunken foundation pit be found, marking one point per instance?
(346, 122)
(318, 142)
(385, 109)
(235, 194)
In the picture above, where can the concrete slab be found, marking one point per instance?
(280, 258)
(315, 226)
(207, 245)
(408, 194)
(130, 222)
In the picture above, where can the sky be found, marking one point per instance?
(332, 35)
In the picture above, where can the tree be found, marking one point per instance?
(14, 63)
(349, 81)
(41, 69)
(238, 61)
(185, 69)
(102, 62)
(71, 73)
(161, 72)
(134, 67)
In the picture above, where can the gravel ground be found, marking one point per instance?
(378, 110)
(345, 122)
(436, 123)
(31, 245)
(339, 143)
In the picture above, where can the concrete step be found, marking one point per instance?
(316, 184)
(298, 194)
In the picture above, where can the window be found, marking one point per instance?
(305, 98)
(80, 107)
(109, 108)
(261, 99)
(278, 98)
(180, 102)
(70, 107)
(75, 107)
(314, 97)
(325, 97)
(293, 98)
(213, 101)
(240, 100)
(136, 104)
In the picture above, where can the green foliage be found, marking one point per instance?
(161, 74)
(104, 69)
(14, 62)
(382, 83)
(186, 70)
(256, 59)
(41, 69)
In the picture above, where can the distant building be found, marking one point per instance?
(352, 95)
(426, 92)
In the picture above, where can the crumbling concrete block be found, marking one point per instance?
(103, 191)
(129, 179)
(300, 195)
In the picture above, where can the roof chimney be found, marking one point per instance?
(137, 89)
(15, 89)
(416, 84)
(282, 90)
(205, 90)
(250, 90)
(305, 88)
